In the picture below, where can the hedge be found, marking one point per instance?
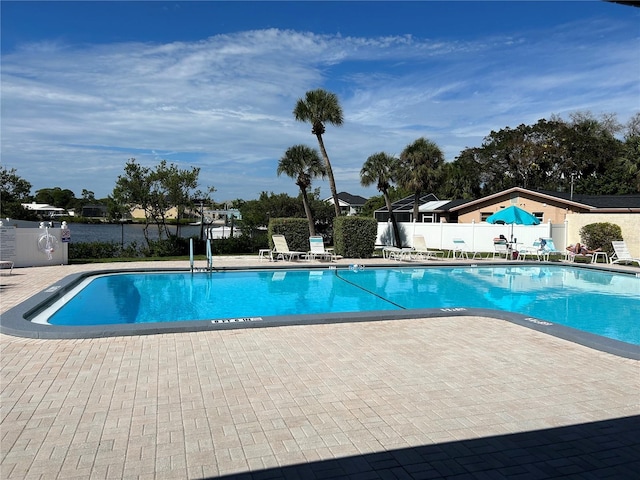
(355, 237)
(295, 231)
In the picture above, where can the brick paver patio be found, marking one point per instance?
(460, 397)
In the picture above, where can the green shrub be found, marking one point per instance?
(130, 251)
(355, 237)
(243, 244)
(600, 235)
(167, 247)
(94, 250)
(295, 230)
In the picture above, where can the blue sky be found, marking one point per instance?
(87, 85)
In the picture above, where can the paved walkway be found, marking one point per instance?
(461, 397)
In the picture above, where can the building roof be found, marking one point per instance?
(590, 203)
(346, 199)
(41, 207)
(432, 206)
(454, 203)
(406, 204)
(599, 201)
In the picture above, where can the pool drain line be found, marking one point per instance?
(375, 294)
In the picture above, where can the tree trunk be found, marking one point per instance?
(416, 205)
(332, 182)
(394, 224)
(307, 211)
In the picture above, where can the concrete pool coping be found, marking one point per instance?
(16, 321)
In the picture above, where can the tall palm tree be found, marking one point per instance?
(303, 164)
(419, 169)
(318, 108)
(379, 168)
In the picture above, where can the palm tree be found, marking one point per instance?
(419, 169)
(379, 168)
(302, 163)
(319, 107)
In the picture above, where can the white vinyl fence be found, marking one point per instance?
(34, 247)
(478, 236)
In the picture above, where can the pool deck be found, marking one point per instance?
(451, 397)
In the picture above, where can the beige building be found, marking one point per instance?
(138, 213)
(575, 211)
(551, 207)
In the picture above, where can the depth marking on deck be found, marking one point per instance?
(238, 320)
(537, 322)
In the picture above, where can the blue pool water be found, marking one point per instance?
(600, 302)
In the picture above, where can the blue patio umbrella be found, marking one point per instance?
(513, 216)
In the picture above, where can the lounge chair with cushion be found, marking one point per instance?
(549, 248)
(420, 249)
(622, 254)
(573, 256)
(281, 248)
(317, 250)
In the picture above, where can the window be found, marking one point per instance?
(484, 216)
(539, 215)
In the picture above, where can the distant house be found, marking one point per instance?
(431, 210)
(349, 204)
(94, 211)
(547, 206)
(44, 209)
(138, 213)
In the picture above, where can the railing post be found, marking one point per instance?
(209, 255)
(191, 253)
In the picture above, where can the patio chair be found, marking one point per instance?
(500, 248)
(535, 250)
(420, 249)
(622, 254)
(317, 250)
(549, 248)
(281, 249)
(461, 249)
(571, 255)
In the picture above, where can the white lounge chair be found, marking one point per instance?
(420, 249)
(549, 248)
(317, 250)
(281, 249)
(535, 250)
(622, 254)
(460, 249)
(572, 256)
(396, 253)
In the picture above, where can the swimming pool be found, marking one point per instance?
(602, 304)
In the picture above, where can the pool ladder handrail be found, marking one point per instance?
(209, 267)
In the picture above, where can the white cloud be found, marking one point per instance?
(72, 116)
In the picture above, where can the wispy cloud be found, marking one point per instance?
(73, 114)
